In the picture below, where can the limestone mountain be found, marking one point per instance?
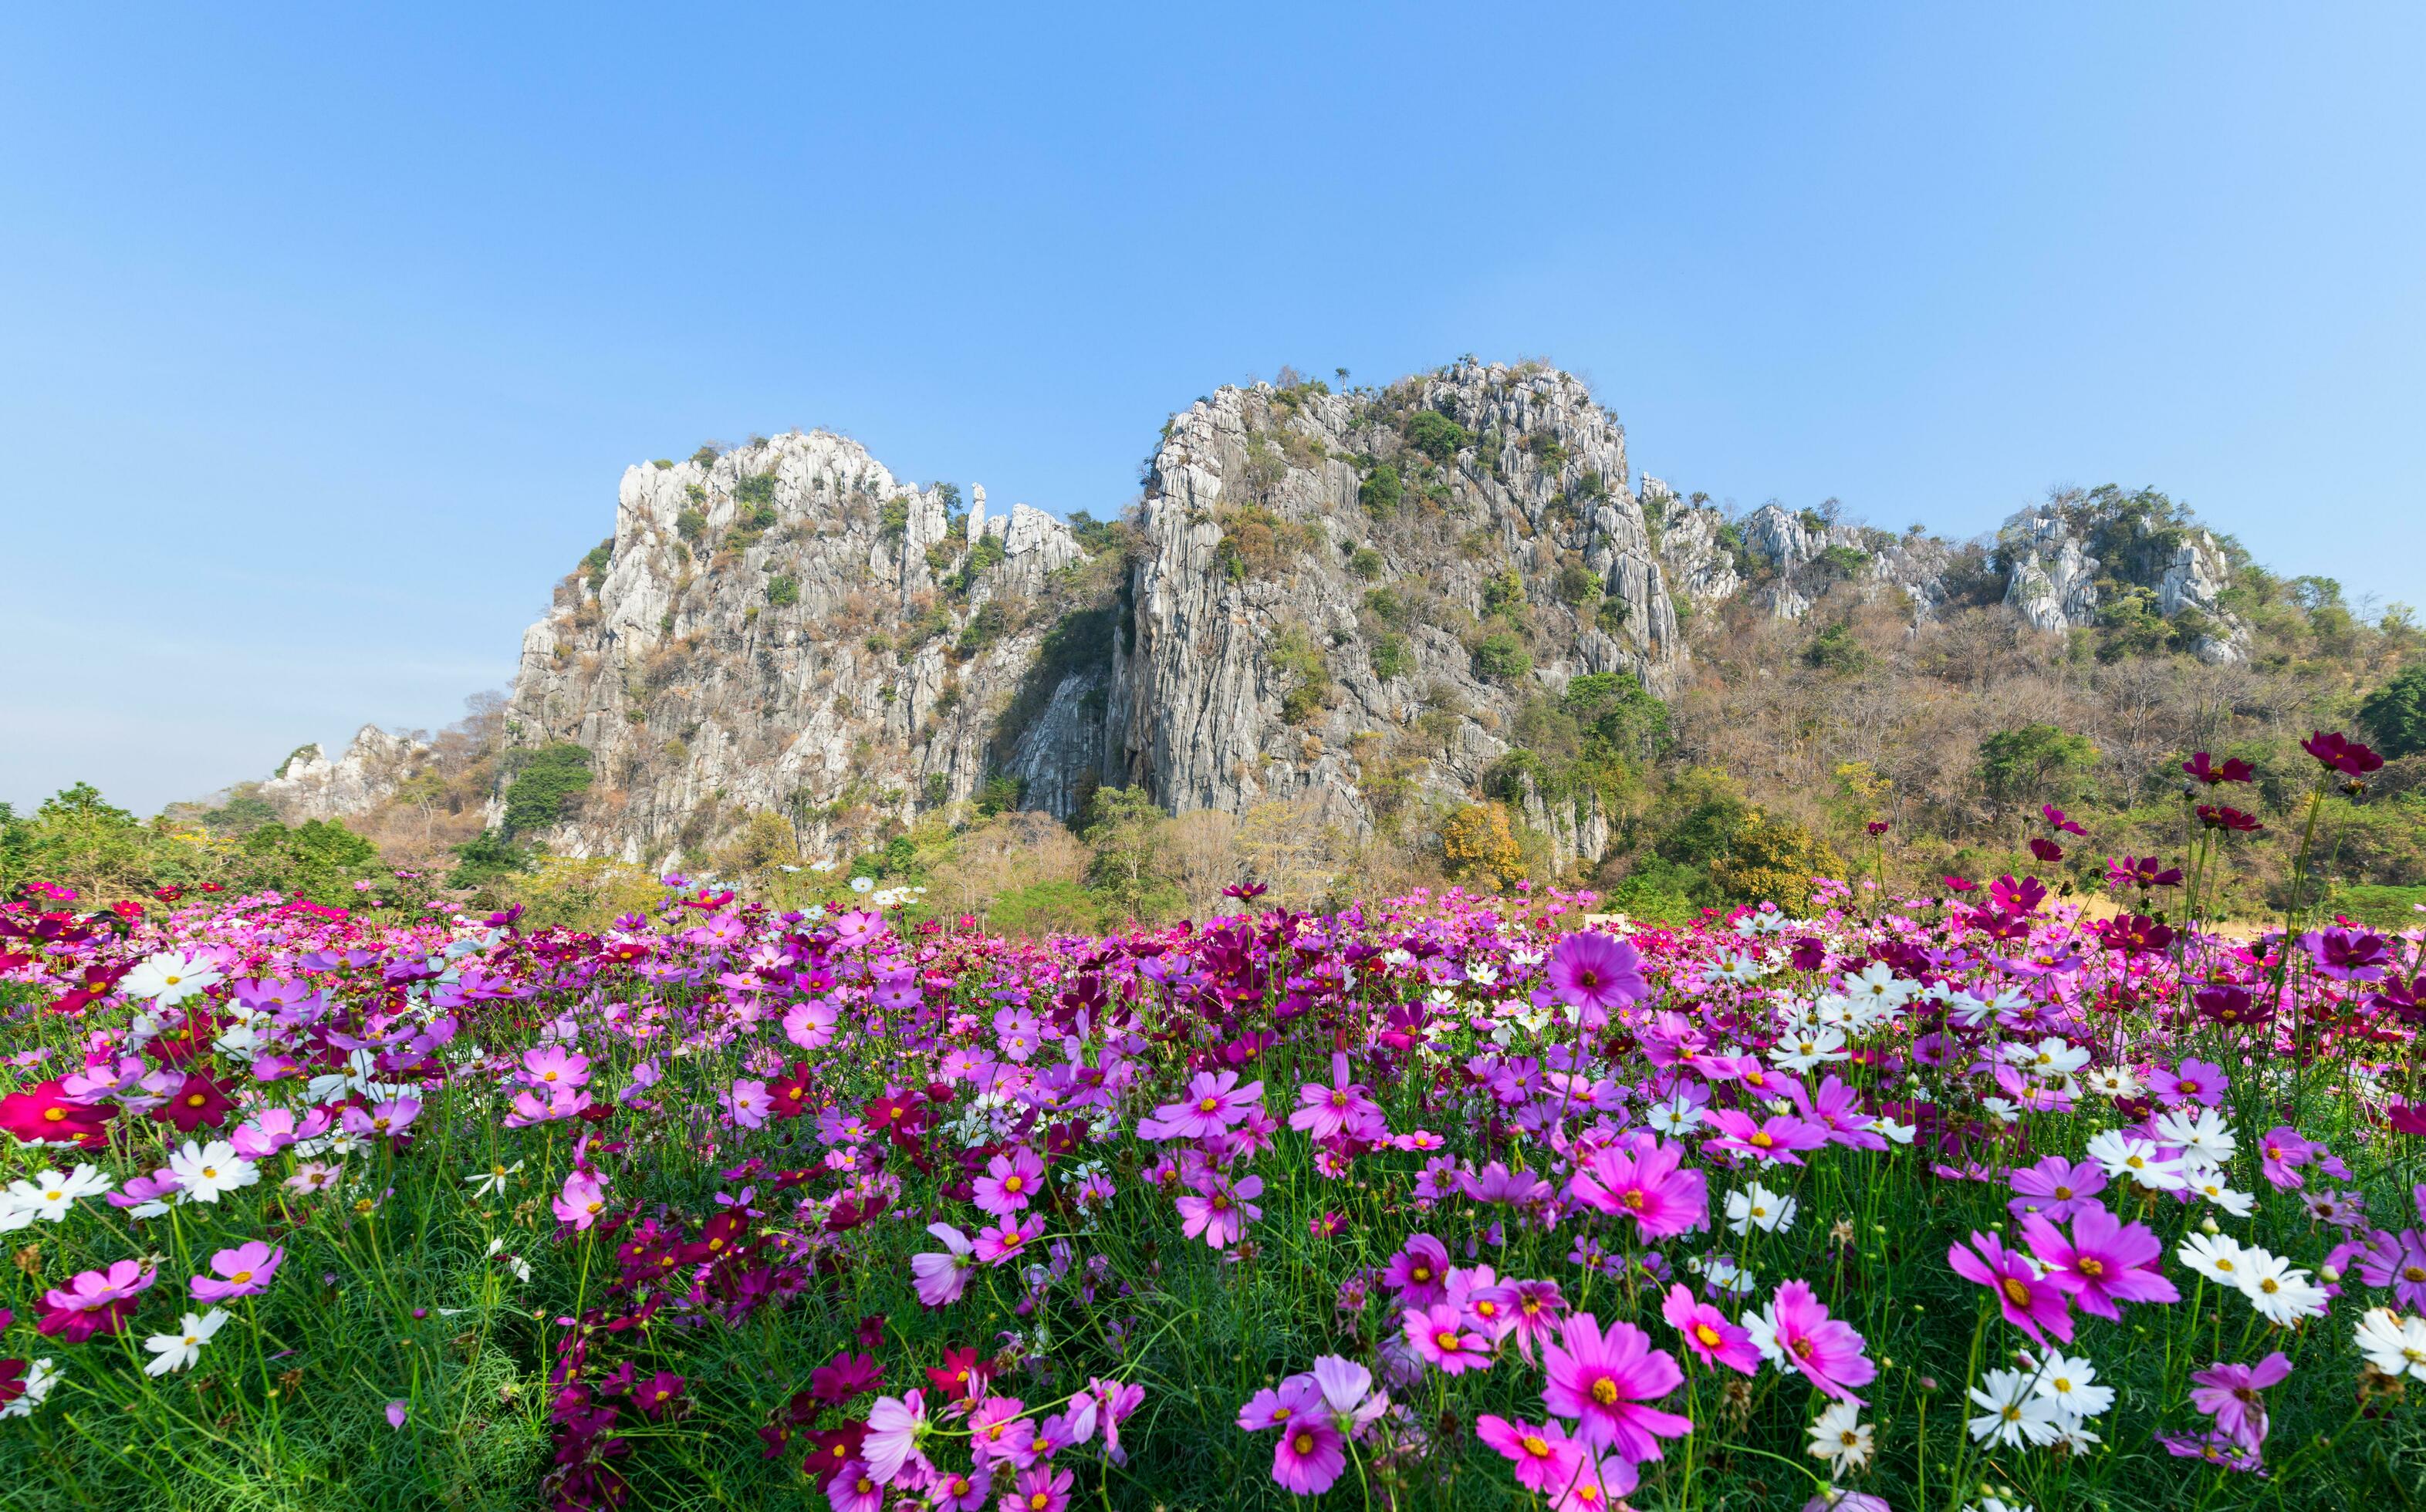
(1354, 601)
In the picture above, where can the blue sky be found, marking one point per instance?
(325, 331)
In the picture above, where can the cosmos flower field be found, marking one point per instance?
(1855, 1199)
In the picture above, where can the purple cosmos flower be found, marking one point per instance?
(1419, 1272)
(1596, 973)
(1601, 1379)
(1777, 1138)
(2057, 1187)
(2228, 1393)
(2105, 1261)
(1436, 1334)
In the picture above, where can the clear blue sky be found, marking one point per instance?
(325, 331)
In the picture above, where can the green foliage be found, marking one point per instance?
(546, 787)
(1294, 654)
(938, 790)
(892, 518)
(1366, 563)
(1436, 435)
(1255, 542)
(1844, 561)
(2035, 764)
(1094, 536)
(1503, 592)
(690, 525)
(77, 840)
(1385, 605)
(1391, 656)
(1124, 827)
(984, 628)
(1502, 656)
(1000, 794)
(1837, 649)
(782, 589)
(486, 858)
(1612, 614)
(244, 811)
(705, 455)
(2395, 714)
(319, 860)
(948, 494)
(1381, 492)
(756, 490)
(1042, 909)
(1578, 584)
(594, 564)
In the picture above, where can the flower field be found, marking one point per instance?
(1957, 1201)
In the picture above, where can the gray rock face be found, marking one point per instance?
(2065, 558)
(790, 628)
(376, 763)
(1350, 600)
(1289, 639)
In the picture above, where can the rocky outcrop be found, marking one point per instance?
(1352, 601)
(375, 764)
(2080, 559)
(1351, 598)
(788, 628)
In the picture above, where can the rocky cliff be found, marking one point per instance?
(1349, 600)
(375, 764)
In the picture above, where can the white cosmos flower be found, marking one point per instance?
(863, 884)
(2003, 1109)
(169, 978)
(39, 1378)
(2113, 1081)
(1673, 1116)
(822, 867)
(2280, 1291)
(2210, 1184)
(2013, 1414)
(2216, 1256)
(2072, 1436)
(2392, 1343)
(1759, 1207)
(494, 1179)
(203, 1171)
(2072, 1385)
(2123, 1155)
(2206, 1139)
(1840, 1437)
(2050, 1057)
(48, 1195)
(1802, 1050)
(179, 1350)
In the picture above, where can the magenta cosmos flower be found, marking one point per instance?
(1775, 1138)
(940, 1278)
(2031, 1302)
(1309, 1456)
(245, 1271)
(1596, 973)
(1826, 1351)
(95, 1302)
(1646, 1187)
(1220, 1208)
(1708, 1334)
(1546, 1459)
(583, 1198)
(2105, 1261)
(1010, 1183)
(1215, 1101)
(1343, 1107)
(1601, 1379)
(2228, 1393)
(2056, 1188)
(1437, 1334)
(1419, 1272)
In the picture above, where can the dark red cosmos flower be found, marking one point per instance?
(168, 894)
(1809, 954)
(851, 1211)
(659, 1394)
(42, 1114)
(791, 1094)
(899, 1116)
(2337, 752)
(1245, 891)
(2228, 1005)
(2233, 770)
(2142, 871)
(2406, 999)
(1878, 827)
(845, 1376)
(2135, 934)
(1957, 884)
(2057, 822)
(961, 1374)
(2048, 851)
(2217, 817)
(198, 1101)
(869, 1331)
(214, 887)
(830, 1449)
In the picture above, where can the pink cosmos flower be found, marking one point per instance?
(1215, 1103)
(1777, 1138)
(551, 1067)
(1419, 1272)
(2193, 1081)
(582, 1200)
(1648, 1188)
(1010, 1182)
(1539, 1307)
(1041, 1488)
(1007, 1242)
(1219, 1209)
(1601, 1380)
(1309, 1456)
(811, 1024)
(1826, 1351)
(2056, 1188)
(95, 1302)
(2031, 1302)
(895, 1425)
(1434, 1333)
(383, 1120)
(940, 1277)
(1599, 1485)
(855, 1488)
(245, 1271)
(1344, 1107)
(1277, 1406)
(2398, 1263)
(1544, 1457)
(958, 1492)
(2104, 1262)
(1708, 1334)
(2228, 1393)
(1114, 1402)
(1596, 973)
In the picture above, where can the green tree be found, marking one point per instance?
(1436, 435)
(1123, 829)
(1381, 490)
(1503, 657)
(546, 788)
(2395, 714)
(2037, 764)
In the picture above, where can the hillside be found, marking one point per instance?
(1439, 629)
